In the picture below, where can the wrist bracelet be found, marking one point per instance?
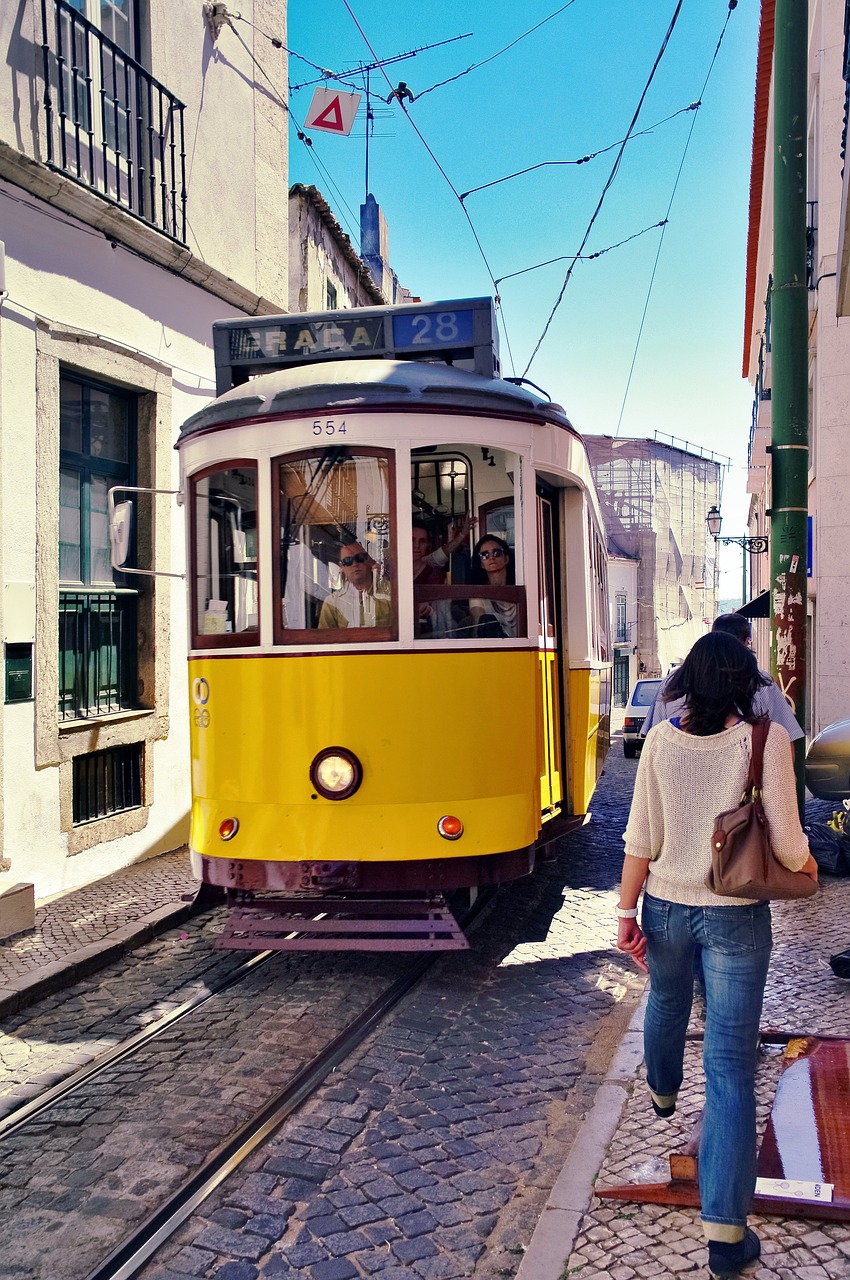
(627, 913)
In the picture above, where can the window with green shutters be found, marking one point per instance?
(97, 612)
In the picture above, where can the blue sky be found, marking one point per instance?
(567, 90)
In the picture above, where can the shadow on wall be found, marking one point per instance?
(170, 841)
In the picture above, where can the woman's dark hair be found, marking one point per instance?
(719, 677)
(477, 572)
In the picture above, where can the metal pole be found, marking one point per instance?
(789, 316)
(744, 574)
(368, 118)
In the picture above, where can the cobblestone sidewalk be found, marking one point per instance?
(82, 930)
(621, 1240)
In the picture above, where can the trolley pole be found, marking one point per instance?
(789, 316)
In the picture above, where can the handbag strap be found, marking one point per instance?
(760, 730)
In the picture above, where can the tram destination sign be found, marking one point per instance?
(462, 332)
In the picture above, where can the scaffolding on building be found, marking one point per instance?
(655, 498)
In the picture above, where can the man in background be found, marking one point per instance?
(769, 700)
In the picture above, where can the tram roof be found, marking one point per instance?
(345, 385)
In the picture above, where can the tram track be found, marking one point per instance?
(99, 1100)
(138, 1248)
(29, 1111)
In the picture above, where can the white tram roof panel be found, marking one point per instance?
(343, 385)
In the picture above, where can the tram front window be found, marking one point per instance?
(335, 515)
(225, 547)
(466, 570)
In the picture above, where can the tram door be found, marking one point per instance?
(547, 640)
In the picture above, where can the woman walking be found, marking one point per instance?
(691, 769)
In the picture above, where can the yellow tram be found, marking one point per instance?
(400, 667)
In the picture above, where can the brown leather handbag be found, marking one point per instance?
(743, 864)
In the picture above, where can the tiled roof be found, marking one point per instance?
(320, 204)
(764, 70)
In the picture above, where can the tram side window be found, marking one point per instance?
(335, 515)
(467, 570)
(225, 551)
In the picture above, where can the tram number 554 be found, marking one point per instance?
(330, 427)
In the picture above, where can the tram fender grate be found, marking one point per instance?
(343, 924)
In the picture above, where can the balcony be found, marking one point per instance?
(109, 124)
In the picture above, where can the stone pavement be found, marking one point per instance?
(578, 1235)
(584, 1237)
(79, 932)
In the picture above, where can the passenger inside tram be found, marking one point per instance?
(430, 566)
(363, 599)
(493, 564)
(448, 484)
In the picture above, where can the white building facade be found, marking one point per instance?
(828, 630)
(144, 191)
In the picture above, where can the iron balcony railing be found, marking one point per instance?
(109, 124)
(97, 653)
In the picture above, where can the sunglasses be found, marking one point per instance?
(491, 555)
(348, 561)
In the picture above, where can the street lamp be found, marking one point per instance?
(757, 545)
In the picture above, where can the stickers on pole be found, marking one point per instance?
(332, 112)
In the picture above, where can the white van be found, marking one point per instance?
(637, 709)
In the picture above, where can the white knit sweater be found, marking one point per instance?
(683, 782)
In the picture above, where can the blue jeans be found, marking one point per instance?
(734, 944)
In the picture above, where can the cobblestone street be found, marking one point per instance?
(432, 1155)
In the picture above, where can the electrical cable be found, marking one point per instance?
(117, 342)
(476, 65)
(448, 180)
(278, 44)
(693, 106)
(302, 137)
(609, 181)
(361, 68)
(581, 257)
(732, 5)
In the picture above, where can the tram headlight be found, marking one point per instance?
(336, 773)
(228, 828)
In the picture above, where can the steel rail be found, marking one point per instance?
(15, 1119)
(126, 1260)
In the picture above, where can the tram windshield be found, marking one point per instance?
(335, 515)
(466, 566)
(225, 538)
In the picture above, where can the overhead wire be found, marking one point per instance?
(608, 183)
(592, 155)
(476, 65)
(302, 137)
(732, 5)
(361, 69)
(583, 257)
(450, 184)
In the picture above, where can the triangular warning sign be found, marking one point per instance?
(332, 112)
(331, 117)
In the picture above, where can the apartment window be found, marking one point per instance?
(331, 296)
(97, 612)
(622, 629)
